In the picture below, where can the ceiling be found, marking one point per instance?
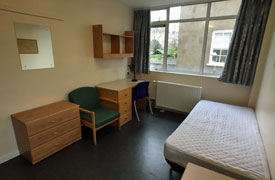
(155, 3)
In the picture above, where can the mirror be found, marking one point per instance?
(34, 46)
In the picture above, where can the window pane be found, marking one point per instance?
(216, 52)
(159, 15)
(225, 8)
(218, 40)
(156, 48)
(224, 52)
(185, 43)
(222, 59)
(215, 58)
(188, 12)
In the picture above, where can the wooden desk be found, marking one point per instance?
(117, 95)
(194, 172)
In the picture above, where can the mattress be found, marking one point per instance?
(221, 137)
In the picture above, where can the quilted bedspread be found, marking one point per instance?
(222, 135)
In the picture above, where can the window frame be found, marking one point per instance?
(210, 61)
(207, 19)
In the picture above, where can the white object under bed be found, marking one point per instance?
(221, 137)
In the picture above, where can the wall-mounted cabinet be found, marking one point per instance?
(98, 41)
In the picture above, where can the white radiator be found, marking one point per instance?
(179, 97)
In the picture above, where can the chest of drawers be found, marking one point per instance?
(43, 131)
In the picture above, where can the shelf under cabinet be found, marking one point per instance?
(124, 36)
(121, 55)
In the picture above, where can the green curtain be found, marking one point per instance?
(245, 46)
(141, 41)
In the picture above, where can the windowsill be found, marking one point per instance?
(187, 74)
(215, 65)
(171, 64)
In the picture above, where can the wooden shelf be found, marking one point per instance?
(115, 44)
(118, 55)
(123, 36)
(108, 99)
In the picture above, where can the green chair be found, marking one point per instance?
(91, 114)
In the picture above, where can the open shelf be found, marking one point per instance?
(118, 55)
(115, 44)
(124, 36)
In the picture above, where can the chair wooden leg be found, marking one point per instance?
(135, 106)
(94, 136)
(150, 105)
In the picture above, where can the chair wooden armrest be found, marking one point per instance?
(91, 113)
(86, 111)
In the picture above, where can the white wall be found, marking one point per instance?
(73, 55)
(262, 96)
(212, 88)
(265, 107)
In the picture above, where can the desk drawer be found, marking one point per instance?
(114, 96)
(126, 93)
(125, 110)
(125, 106)
(125, 118)
(55, 145)
(51, 121)
(54, 132)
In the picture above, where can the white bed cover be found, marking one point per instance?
(223, 136)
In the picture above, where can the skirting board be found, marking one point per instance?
(9, 156)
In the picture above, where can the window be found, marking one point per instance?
(184, 50)
(157, 47)
(219, 47)
(188, 12)
(159, 15)
(192, 39)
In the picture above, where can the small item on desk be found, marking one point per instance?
(132, 68)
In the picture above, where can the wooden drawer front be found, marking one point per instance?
(126, 93)
(125, 110)
(125, 118)
(107, 94)
(125, 106)
(52, 121)
(55, 145)
(54, 132)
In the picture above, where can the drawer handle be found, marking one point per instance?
(125, 111)
(125, 94)
(53, 121)
(59, 132)
(57, 144)
(125, 103)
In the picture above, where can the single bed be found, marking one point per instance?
(220, 137)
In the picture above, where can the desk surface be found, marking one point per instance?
(194, 172)
(119, 84)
